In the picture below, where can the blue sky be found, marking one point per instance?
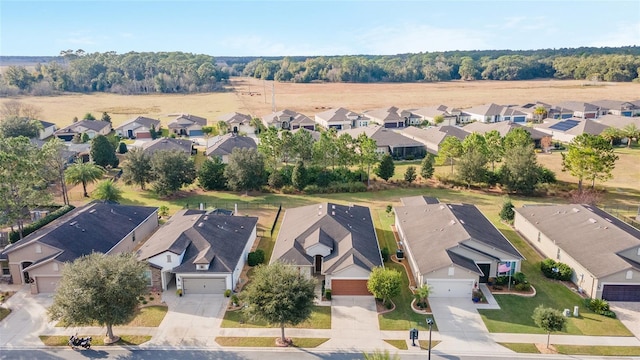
(305, 27)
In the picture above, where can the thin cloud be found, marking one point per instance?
(254, 45)
(413, 38)
(624, 34)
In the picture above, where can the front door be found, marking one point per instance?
(130, 134)
(318, 259)
(486, 270)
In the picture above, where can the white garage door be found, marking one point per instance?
(450, 288)
(47, 284)
(203, 285)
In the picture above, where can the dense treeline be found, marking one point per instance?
(177, 72)
(442, 67)
(130, 73)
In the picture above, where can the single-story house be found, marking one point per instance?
(314, 134)
(203, 251)
(619, 121)
(617, 107)
(336, 241)
(387, 117)
(451, 116)
(341, 119)
(452, 247)
(504, 127)
(183, 145)
(225, 144)
(188, 125)
(567, 129)
(138, 128)
(603, 251)
(390, 142)
(92, 128)
(578, 109)
(238, 123)
(288, 120)
(102, 227)
(489, 113)
(47, 130)
(411, 118)
(432, 137)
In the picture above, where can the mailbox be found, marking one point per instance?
(413, 336)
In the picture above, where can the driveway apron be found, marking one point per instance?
(629, 314)
(192, 320)
(354, 325)
(27, 320)
(461, 327)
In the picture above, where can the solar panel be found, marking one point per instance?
(565, 125)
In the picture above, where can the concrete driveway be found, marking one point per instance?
(461, 327)
(354, 324)
(629, 314)
(27, 320)
(192, 320)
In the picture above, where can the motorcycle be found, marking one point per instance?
(84, 342)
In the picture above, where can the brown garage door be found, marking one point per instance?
(47, 284)
(349, 287)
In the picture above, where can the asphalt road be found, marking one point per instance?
(262, 354)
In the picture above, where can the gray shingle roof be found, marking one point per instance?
(337, 115)
(190, 119)
(618, 121)
(217, 240)
(349, 228)
(168, 144)
(503, 127)
(586, 233)
(577, 106)
(384, 115)
(96, 227)
(229, 142)
(144, 121)
(384, 137)
(486, 110)
(588, 126)
(235, 118)
(418, 200)
(433, 231)
(95, 125)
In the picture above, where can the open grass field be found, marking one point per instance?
(253, 96)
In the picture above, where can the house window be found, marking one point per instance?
(168, 258)
(38, 249)
(147, 276)
(133, 236)
(638, 251)
(451, 271)
(629, 275)
(55, 266)
(558, 254)
(538, 236)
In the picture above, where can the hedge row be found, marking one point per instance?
(28, 229)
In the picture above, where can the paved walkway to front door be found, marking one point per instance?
(461, 327)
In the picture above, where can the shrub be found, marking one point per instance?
(235, 300)
(327, 294)
(288, 189)
(312, 189)
(151, 298)
(502, 280)
(556, 270)
(144, 302)
(385, 254)
(523, 287)
(507, 213)
(227, 293)
(28, 229)
(255, 257)
(276, 180)
(520, 278)
(609, 313)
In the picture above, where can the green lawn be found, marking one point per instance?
(521, 348)
(320, 319)
(4, 312)
(150, 316)
(268, 342)
(57, 340)
(515, 312)
(398, 344)
(598, 350)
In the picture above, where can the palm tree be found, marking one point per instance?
(108, 191)
(631, 131)
(611, 134)
(83, 173)
(421, 294)
(540, 112)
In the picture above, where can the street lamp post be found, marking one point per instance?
(430, 323)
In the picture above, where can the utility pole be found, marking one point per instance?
(273, 96)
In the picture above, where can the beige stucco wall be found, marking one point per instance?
(458, 273)
(27, 253)
(142, 232)
(581, 276)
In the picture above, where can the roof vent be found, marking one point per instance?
(333, 213)
(206, 217)
(92, 211)
(333, 207)
(592, 220)
(575, 210)
(241, 226)
(461, 221)
(200, 225)
(73, 223)
(609, 220)
(452, 222)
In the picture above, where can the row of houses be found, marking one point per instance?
(452, 248)
(345, 119)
